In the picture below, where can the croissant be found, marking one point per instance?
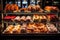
(9, 29)
(16, 29)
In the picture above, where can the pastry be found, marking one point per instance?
(17, 29)
(23, 18)
(35, 17)
(51, 28)
(9, 29)
(17, 18)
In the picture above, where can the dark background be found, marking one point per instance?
(44, 2)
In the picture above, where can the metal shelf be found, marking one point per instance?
(17, 13)
(12, 22)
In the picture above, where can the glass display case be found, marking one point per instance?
(20, 17)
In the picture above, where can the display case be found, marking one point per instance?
(23, 17)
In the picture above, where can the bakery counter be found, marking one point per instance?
(31, 36)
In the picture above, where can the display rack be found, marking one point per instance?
(14, 22)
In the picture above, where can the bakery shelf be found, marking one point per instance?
(17, 13)
(13, 22)
(25, 22)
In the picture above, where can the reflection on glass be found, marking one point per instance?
(10, 2)
(32, 2)
(38, 1)
(18, 3)
(24, 4)
(56, 2)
